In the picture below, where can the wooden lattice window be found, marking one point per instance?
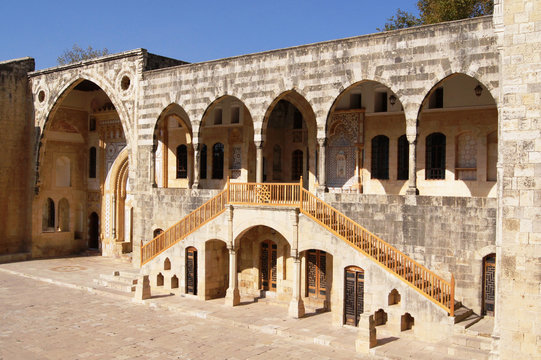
(435, 156)
(403, 158)
(92, 163)
(182, 162)
(380, 157)
(203, 162)
(218, 161)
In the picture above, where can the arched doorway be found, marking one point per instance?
(268, 265)
(353, 295)
(316, 274)
(93, 231)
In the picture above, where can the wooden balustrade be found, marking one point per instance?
(184, 227)
(416, 275)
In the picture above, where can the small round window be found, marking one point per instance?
(125, 83)
(41, 96)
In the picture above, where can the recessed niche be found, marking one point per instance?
(125, 83)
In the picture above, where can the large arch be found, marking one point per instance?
(226, 125)
(290, 124)
(464, 111)
(362, 111)
(173, 128)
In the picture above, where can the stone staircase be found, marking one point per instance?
(122, 281)
(464, 317)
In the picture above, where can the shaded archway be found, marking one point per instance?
(226, 144)
(289, 146)
(173, 149)
(93, 231)
(82, 136)
(461, 161)
(365, 111)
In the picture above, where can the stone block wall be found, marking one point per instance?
(16, 137)
(446, 234)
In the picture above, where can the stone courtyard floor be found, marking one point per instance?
(53, 309)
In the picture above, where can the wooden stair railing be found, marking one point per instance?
(426, 282)
(184, 227)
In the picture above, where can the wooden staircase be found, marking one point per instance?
(423, 280)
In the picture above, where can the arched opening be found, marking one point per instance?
(81, 138)
(263, 258)
(191, 270)
(489, 285)
(289, 130)
(156, 232)
(356, 155)
(455, 156)
(93, 231)
(394, 297)
(353, 295)
(216, 269)
(48, 216)
(167, 264)
(174, 282)
(406, 322)
(173, 149)
(380, 317)
(159, 279)
(226, 136)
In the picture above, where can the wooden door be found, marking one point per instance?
(316, 274)
(268, 265)
(353, 295)
(191, 271)
(489, 283)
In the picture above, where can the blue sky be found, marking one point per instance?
(188, 30)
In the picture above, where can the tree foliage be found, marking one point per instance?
(435, 11)
(76, 54)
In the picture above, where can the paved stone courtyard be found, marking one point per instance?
(53, 309)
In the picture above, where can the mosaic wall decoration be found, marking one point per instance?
(341, 150)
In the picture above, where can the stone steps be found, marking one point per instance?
(124, 281)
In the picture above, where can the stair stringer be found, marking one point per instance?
(215, 229)
(431, 321)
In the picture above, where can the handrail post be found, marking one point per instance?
(227, 187)
(300, 193)
(452, 305)
(141, 255)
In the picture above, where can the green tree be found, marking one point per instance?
(76, 54)
(435, 11)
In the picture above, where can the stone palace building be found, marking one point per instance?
(388, 178)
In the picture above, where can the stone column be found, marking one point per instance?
(322, 164)
(196, 162)
(232, 296)
(259, 161)
(296, 306)
(113, 218)
(411, 134)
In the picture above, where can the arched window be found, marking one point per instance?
(63, 172)
(492, 155)
(203, 162)
(297, 119)
(182, 162)
(435, 156)
(218, 161)
(157, 232)
(403, 158)
(296, 165)
(63, 215)
(92, 163)
(380, 157)
(48, 215)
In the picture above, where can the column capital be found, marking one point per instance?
(259, 144)
(322, 142)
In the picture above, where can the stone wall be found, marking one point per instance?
(518, 314)
(16, 135)
(446, 234)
